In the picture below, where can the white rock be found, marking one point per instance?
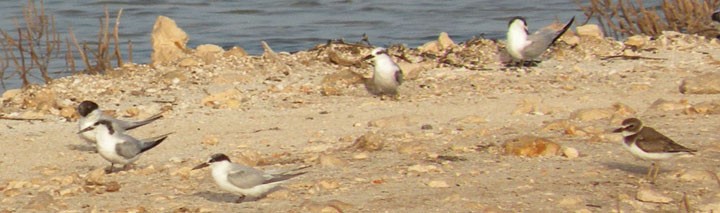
(568, 202)
(438, 184)
(570, 153)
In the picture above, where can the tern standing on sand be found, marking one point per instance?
(526, 47)
(387, 75)
(90, 114)
(117, 147)
(250, 182)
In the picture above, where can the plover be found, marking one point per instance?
(648, 144)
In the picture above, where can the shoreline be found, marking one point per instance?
(441, 145)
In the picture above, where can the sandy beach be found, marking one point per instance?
(441, 147)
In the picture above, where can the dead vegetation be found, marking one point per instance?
(630, 17)
(30, 50)
(102, 55)
(26, 53)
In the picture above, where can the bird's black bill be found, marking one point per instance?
(368, 57)
(618, 130)
(203, 165)
(85, 130)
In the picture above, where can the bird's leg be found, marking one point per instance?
(652, 173)
(110, 170)
(657, 170)
(533, 63)
(396, 97)
(240, 199)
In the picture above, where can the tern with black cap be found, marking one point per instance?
(249, 182)
(90, 114)
(117, 147)
(523, 46)
(387, 75)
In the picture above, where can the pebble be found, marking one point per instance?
(176, 160)
(41, 202)
(705, 108)
(335, 83)
(182, 172)
(531, 146)
(331, 206)
(570, 202)
(663, 105)
(360, 156)
(369, 142)
(398, 121)
(708, 83)
(331, 161)
(96, 177)
(210, 140)
(229, 98)
(18, 184)
(10, 94)
(649, 195)
(591, 114)
(570, 153)
(329, 184)
(423, 168)
(235, 51)
(112, 186)
(438, 184)
(590, 30)
(442, 43)
(70, 191)
(636, 41)
(470, 120)
(696, 175)
(11, 192)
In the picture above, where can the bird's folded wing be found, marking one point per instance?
(652, 141)
(245, 177)
(128, 149)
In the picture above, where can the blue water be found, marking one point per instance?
(291, 25)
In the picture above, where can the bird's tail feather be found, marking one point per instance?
(144, 122)
(565, 28)
(283, 177)
(149, 143)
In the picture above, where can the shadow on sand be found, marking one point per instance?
(637, 169)
(82, 148)
(218, 197)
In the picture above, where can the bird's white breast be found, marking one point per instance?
(87, 121)
(385, 70)
(516, 41)
(106, 147)
(220, 172)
